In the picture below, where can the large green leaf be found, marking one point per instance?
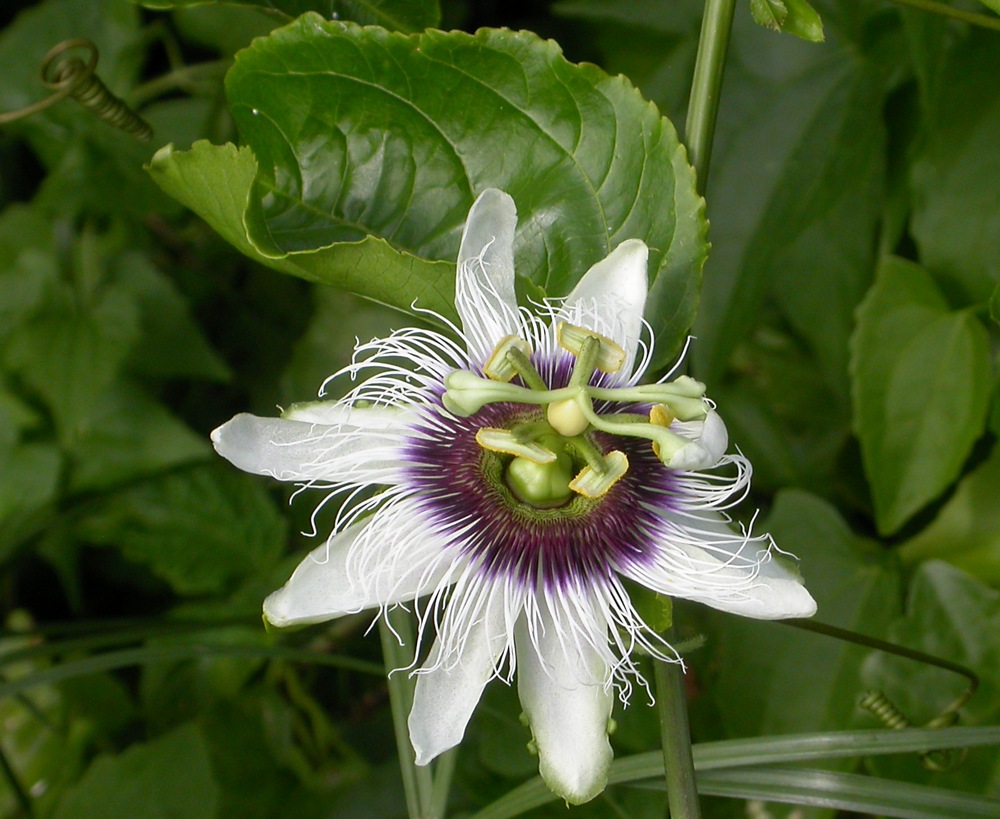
(167, 777)
(921, 389)
(956, 220)
(130, 435)
(358, 133)
(201, 530)
(398, 15)
(856, 587)
(966, 531)
(71, 353)
(794, 123)
(216, 182)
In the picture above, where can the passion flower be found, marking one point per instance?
(522, 473)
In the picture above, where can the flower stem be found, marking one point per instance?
(707, 84)
(675, 735)
(398, 654)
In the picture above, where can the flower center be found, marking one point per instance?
(552, 454)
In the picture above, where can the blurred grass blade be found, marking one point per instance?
(154, 654)
(759, 751)
(853, 792)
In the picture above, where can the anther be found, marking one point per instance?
(661, 415)
(500, 366)
(593, 484)
(608, 356)
(509, 443)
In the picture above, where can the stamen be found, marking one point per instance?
(466, 393)
(661, 415)
(666, 443)
(510, 443)
(609, 356)
(684, 397)
(501, 366)
(593, 484)
(519, 360)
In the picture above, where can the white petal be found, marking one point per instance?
(610, 298)
(568, 705)
(303, 451)
(339, 413)
(322, 587)
(709, 442)
(484, 285)
(447, 693)
(705, 560)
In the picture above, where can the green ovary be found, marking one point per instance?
(543, 486)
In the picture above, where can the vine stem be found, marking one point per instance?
(396, 631)
(703, 109)
(706, 87)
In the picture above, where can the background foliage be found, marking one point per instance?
(847, 327)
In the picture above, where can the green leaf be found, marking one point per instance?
(793, 127)
(953, 616)
(130, 435)
(966, 532)
(652, 43)
(803, 21)
(956, 221)
(202, 530)
(995, 305)
(791, 16)
(920, 382)
(170, 344)
(394, 143)
(29, 480)
(856, 586)
(216, 182)
(72, 352)
(769, 13)
(396, 15)
(166, 777)
(28, 265)
(784, 414)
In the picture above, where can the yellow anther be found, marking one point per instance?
(505, 441)
(499, 367)
(593, 484)
(661, 415)
(610, 356)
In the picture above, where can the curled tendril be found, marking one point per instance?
(878, 704)
(69, 75)
(882, 707)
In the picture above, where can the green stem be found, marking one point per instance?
(703, 109)
(675, 735)
(934, 7)
(443, 770)
(707, 84)
(417, 783)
